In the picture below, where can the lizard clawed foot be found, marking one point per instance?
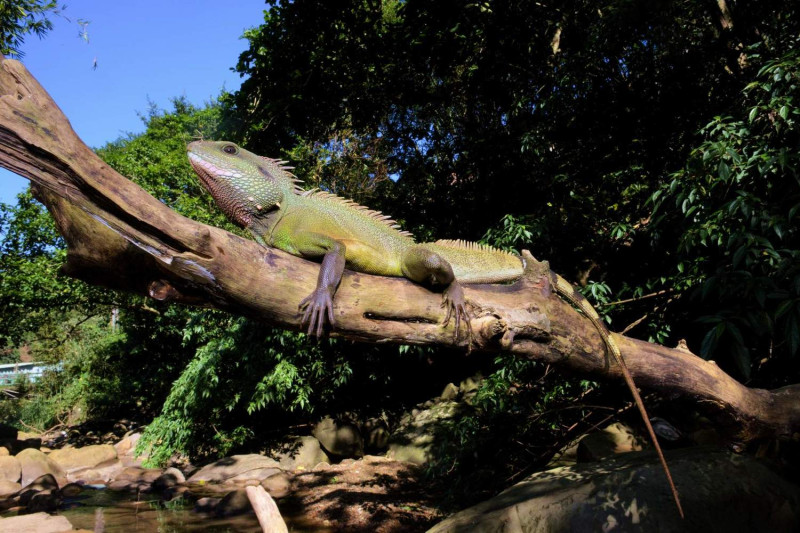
(317, 305)
(453, 299)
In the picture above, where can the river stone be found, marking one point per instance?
(206, 505)
(234, 503)
(34, 464)
(101, 473)
(45, 501)
(10, 469)
(278, 485)
(414, 436)
(36, 523)
(71, 490)
(135, 473)
(127, 445)
(340, 438)
(8, 432)
(303, 454)
(84, 457)
(614, 439)
(7, 488)
(720, 491)
(169, 479)
(236, 467)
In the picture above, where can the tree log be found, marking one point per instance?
(119, 236)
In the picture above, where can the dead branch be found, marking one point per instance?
(119, 236)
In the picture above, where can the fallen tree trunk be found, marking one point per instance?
(119, 236)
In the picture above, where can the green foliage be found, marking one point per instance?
(732, 213)
(240, 370)
(19, 18)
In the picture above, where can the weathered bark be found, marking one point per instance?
(121, 237)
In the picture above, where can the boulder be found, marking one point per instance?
(7, 488)
(206, 505)
(71, 490)
(720, 491)
(169, 479)
(135, 473)
(234, 503)
(36, 523)
(278, 485)
(84, 457)
(127, 445)
(101, 473)
(46, 501)
(339, 437)
(10, 469)
(614, 439)
(303, 454)
(417, 430)
(4, 451)
(449, 393)
(34, 464)
(376, 435)
(237, 467)
(8, 432)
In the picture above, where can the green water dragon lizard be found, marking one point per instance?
(263, 196)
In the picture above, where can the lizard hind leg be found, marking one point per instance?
(428, 268)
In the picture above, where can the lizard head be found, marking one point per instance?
(244, 185)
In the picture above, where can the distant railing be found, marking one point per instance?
(10, 373)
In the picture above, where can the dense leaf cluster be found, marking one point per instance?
(648, 149)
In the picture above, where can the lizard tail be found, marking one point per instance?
(477, 263)
(566, 289)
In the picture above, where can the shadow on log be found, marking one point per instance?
(120, 237)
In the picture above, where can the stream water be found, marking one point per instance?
(109, 511)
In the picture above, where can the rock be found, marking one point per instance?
(34, 464)
(7, 488)
(36, 523)
(8, 432)
(206, 505)
(10, 469)
(720, 491)
(4, 451)
(614, 439)
(102, 473)
(127, 445)
(278, 485)
(339, 438)
(303, 454)
(46, 501)
(45, 482)
(169, 479)
(84, 457)
(449, 393)
(416, 431)
(135, 473)
(377, 435)
(71, 490)
(234, 503)
(251, 466)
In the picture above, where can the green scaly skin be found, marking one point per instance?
(260, 194)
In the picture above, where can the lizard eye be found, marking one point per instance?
(230, 149)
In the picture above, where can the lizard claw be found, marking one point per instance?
(317, 305)
(453, 299)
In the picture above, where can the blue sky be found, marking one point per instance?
(146, 51)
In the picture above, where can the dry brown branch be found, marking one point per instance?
(121, 237)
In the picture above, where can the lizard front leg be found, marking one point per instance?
(319, 304)
(429, 268)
